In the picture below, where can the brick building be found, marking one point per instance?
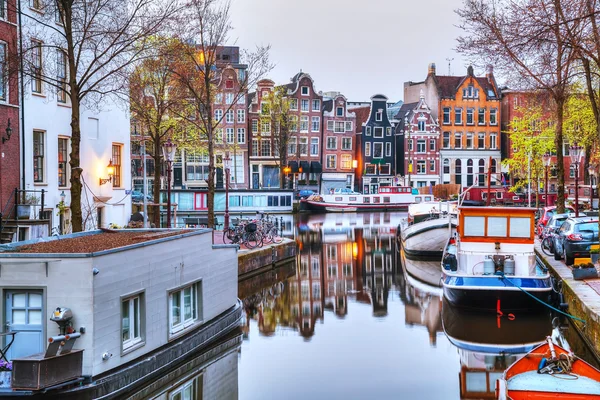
(468, 110)
(339, 143)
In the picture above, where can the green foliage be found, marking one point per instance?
(580, 123)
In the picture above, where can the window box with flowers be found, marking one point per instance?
(5, 374)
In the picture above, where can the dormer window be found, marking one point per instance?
(421, 126)
(471, 92)
(379, 115)
(304, 90)
(339, 111)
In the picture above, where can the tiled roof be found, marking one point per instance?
(362, 114)
(327, 105)
(405, 109)
(448, 85)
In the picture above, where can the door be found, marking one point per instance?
(374, 188)
(23, 314)
(177, 176)
(255, 180)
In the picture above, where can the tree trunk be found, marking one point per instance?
(560, 166)
(76, 186)
(157, 174)
(210, 196)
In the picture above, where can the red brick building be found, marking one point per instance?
(10, 162)
(339, 143)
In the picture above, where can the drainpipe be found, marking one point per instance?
(22, 99)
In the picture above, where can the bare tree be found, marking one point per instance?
(83, 50)
(525, 40)
(278, 115)
(197, 69)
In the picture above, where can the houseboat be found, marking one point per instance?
(425, 231)
(102, 313)
(490, 260)
(388, 198)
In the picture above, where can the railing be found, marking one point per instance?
(21, 197)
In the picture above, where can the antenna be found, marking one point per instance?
(449, 61)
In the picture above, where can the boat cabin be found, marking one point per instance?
(497, 224)
(395, 189)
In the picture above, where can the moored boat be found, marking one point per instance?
(389, 198)
(549, 372)
(490, 262)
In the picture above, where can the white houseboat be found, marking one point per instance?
(490, 262)
(119, 308)
(388, 198)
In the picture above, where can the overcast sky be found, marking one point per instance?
(358, 48)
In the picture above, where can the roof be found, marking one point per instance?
(448, 85)
(327, 105)
(404, 110)
(362, 114)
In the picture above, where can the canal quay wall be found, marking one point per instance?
(582, 299)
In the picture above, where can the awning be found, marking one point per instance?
(380, 161)
(293, 166)
(315, 167)
(305, 167)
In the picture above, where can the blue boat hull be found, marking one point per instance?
(484, 292)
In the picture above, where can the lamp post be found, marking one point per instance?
(592, 173)
(407, 127)
(168, 149)
(546, 158)
(575, 152)
(226, 164)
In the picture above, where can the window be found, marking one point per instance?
(314, 146)
(229, 117)
(446, 166)
(116, 160)
(370, 169)
(431, 144)
(3, 13)
(421, 167)
(241, 99)
(241, 116)
(339, 127)
(481, 116)
(388, 149)
(63, 157)
(379, 115)
(241, 135)
(254, 126)
(316, 105)
(218, 98)
(377, 150)
(388, 131)
(303, 123)
(446, 119)
(229, 96)
(293, 123)
(470, 116)
(185, 307)
(3, 68)
(304, 90)
(131, 321)
(265, 148)
(457, 140)
(493, 116)
(316, 124)
(303, 146)
(230, 135)
(421, 146)
(481, 140)
(218, 115)
(368, 130)
(39, 151)
(458, 116)
(330, 125)
(304, 105)
(349, 126)
(35, 4)
(346, 161)
(254, 147)
(331, 143)
(493, 141)
(292, 145)
(431, 166)
(264, 108)
(410, 144)
(265, 127)
(446, 140)
(339, 111)
(330, 162)
(346, 143)
(383, 170)
(36, 62)
(378, 132)
(61, 78)
(218, 135)
(469, 140)
(368, 149)
(294, 104)
(421, 126)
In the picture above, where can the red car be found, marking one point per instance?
(547, 213)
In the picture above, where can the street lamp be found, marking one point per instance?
(547, 159)
(168, 149)
(576, 152)
(592, 173)
(407, 127)
(226, 164)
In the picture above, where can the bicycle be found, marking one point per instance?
(548, 245)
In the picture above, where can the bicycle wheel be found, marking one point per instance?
(275, 235)
(251, 240)
(228, 235)
(547, 246)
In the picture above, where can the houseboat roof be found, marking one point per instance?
(93, 243)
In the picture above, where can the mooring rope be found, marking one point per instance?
(540, 301)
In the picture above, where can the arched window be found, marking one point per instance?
(481, 179)
(493, 166)
(446, 166)
(458, 172)
(469, 172)
(481, 166)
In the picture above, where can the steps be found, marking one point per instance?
(8, 233)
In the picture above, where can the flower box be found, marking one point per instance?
(5, 378)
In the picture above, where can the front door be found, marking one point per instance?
(255, 180)
(374, 188)
(24, 315)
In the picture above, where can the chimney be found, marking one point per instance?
(489, 73)
(431, 70)
(470, 70)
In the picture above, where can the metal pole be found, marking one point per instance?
(577, 189)
(529, 179)
(226, 216)
(143, 151)
(168, 194)
(409, 157)
(546, 184)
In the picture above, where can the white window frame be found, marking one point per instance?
(133, 342)
(304, 90)
(379, 115)
(314, 141)
(368, 149)
(421, 146)
(241, 135)
(367, 131)
(294, 104)
(458, 112)
(241, 115)
(229, 117)
(254, 126)
(315, 122)
(346, 161)
(331, 139)
(331, 157)
(304, 123)
(493, 141)
(196, 304)
(494, 114)
(316, 102)
(218, 115)
(349, 126)
(376, 130)
(337, 113)
(330, 125)
(229, 97)
(304, 105)
(347, 140)
(378, 144)
(303, 147)
(449, 114)
(230, 135)
(388, 149)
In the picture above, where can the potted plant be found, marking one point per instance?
(5, 374)
(594, 254)
(312, 182)
(24, 207)
(584, 271)
(301, 182)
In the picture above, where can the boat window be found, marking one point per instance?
(375, 199)
(352, 198)
(386, 199)
(428, 198)
(520, 227)
(366, 199)
(476, 382)
(338, 198)
(497, 226)
(418, 199)
(474, 226)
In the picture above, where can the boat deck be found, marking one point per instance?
(531, 381)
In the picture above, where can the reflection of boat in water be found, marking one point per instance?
(488, 343)
(549, 372)
(427, 228)
(341, 209)
(389, 198)
(423, 274)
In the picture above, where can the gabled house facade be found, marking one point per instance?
(377, 160)
(339, 143)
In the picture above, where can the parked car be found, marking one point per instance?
(547, 213)
(556, 222)
(575, 237)
(303, 194)
(344, 191)
(138, 197)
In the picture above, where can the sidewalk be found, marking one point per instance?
(582, 296)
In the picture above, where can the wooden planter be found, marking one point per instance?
(584, 273)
